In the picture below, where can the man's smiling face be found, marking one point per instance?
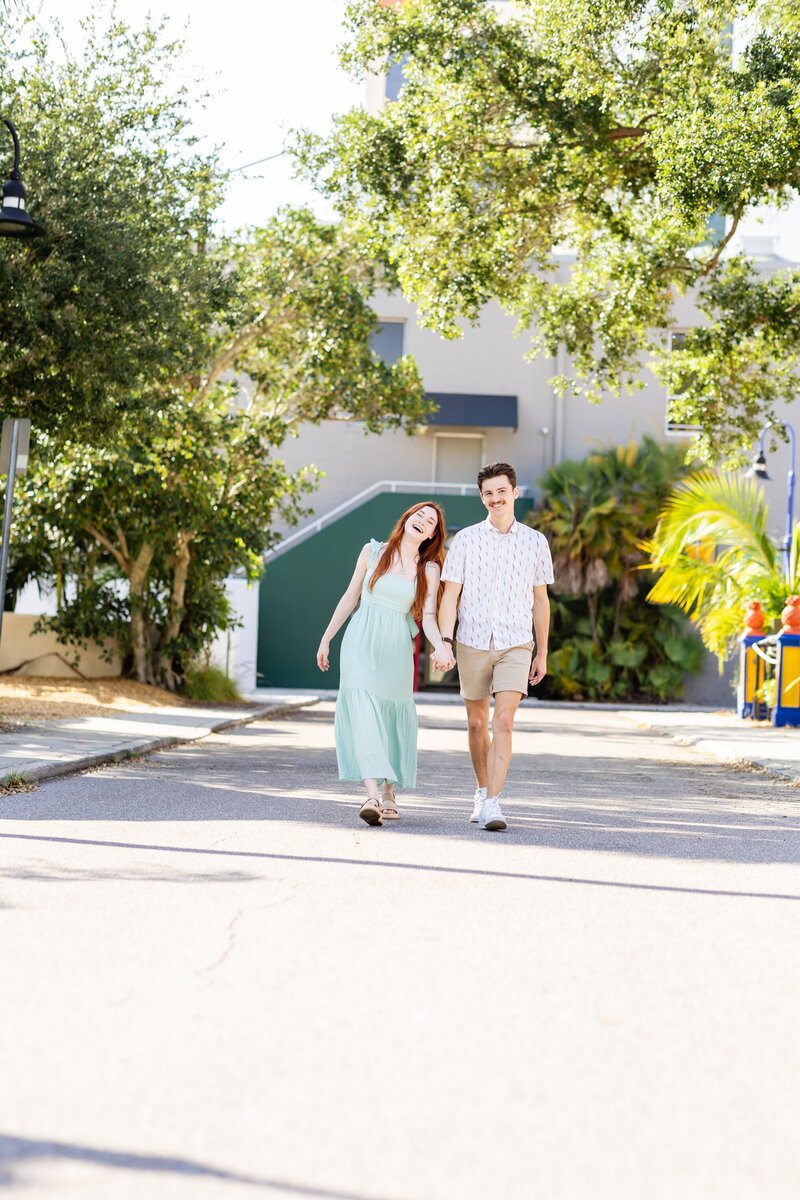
(498, 496)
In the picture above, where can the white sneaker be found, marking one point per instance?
(491, 817)
(480, 796)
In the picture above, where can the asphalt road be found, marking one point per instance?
(217, 982)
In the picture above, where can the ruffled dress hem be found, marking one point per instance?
(385, 744)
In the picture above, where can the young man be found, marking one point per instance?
(495, 580)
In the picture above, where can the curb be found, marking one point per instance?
(132, 748)
(708, 745)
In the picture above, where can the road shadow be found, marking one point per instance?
(17, 1152)
(44, 840)
(59, 873)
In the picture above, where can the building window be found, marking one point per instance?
(395, 77)
(387, 341)
(677, 428)
(715, 228)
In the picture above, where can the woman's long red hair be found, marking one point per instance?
(431, 550)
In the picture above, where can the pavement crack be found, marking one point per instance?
(230, 943)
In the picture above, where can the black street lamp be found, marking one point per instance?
(15, 222)
(759, 471)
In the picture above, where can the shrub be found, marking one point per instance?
(608, 642)
(653, 650)
(210, 684)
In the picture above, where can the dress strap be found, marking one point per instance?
(375, 548)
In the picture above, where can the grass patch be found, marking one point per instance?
(211, 684)
(15, 782)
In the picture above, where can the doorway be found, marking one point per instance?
(457, 457)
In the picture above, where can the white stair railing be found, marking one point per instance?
(376, 489)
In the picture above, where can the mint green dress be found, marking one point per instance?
(376, 721)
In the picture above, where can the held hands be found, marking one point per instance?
(323, 659)
(538, 668)
(442, 658)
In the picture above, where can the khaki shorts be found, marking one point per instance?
(485, 672)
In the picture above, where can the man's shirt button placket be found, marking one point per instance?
(501, 566)
(496, 550)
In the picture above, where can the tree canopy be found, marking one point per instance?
(115, 302)
(573, 160)
(162, 362)
(186, 492)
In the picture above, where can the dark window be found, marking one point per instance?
(457, 408)
(395, 77)
(387, 341)
(677, 339)
(715, 228)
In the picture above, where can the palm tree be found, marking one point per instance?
(595, 513)
(713, 555)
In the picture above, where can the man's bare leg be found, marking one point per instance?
(499, 756)
(478, 737)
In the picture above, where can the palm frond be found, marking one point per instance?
(723, 509)
(712, 555)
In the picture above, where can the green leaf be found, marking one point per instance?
(623, 654)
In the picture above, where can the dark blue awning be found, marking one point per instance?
(467, 408)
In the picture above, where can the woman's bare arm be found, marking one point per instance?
(430, 625)
(443, 657)
(343, 609)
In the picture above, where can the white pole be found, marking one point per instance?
(6, 537)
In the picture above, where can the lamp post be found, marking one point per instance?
(15, 222)
(759, 470)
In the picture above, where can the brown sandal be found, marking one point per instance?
(370, 811)
(389, 810)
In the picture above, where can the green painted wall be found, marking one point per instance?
(300, 589)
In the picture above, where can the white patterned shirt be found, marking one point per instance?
(498, 572)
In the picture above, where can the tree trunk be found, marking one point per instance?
(138, 587)
(180, 575)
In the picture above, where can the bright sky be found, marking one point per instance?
(273, 66)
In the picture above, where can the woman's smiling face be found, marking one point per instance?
(422, 523)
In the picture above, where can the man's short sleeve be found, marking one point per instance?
(455, 561)
(544, 562)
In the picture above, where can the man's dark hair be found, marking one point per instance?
(492, 470)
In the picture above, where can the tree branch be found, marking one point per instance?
(123, 541)
(250, 333)
(224, 361)
(618, 133)
(108, 545)
(626, 131)
(712, 262)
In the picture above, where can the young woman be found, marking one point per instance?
(397, 584)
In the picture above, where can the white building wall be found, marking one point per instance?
(235, 651)
(490, 359)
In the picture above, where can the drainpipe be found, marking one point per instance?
(559, 368)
